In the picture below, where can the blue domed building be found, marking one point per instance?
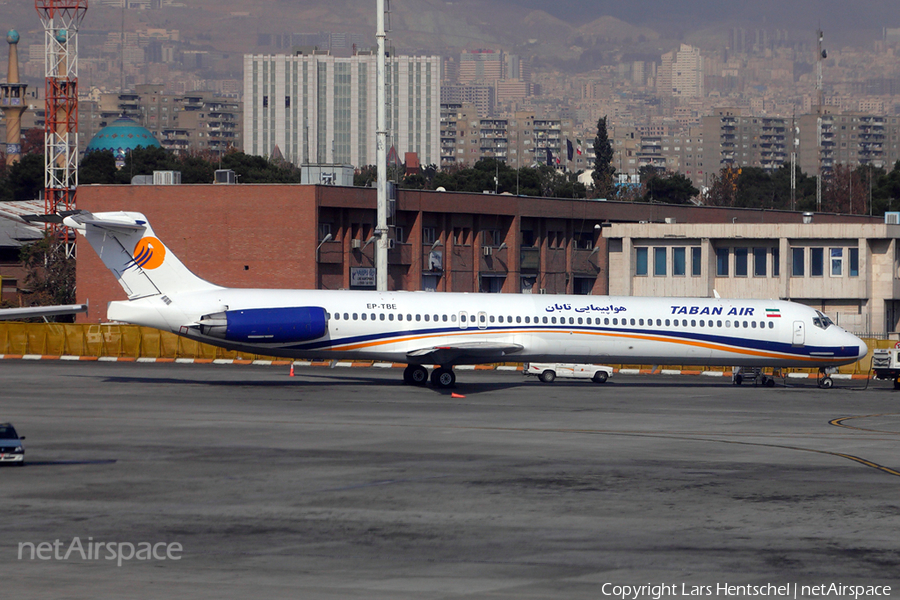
(122, 136)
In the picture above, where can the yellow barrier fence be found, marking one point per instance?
(132, 341)
(122, 341)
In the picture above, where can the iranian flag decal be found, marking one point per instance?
(773, 312)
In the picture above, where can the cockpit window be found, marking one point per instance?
(822, 321)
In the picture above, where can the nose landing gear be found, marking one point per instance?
(825, 381)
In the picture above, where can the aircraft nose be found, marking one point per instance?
(863, 349)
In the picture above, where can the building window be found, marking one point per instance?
(816, 262)
(798, 262)
(722, 262)
(696, 261)
(837, 262)
(640, 261)
(759, 262)
(740, 262)
(659, 262)
(428, 235)
(678, 261)
(776, 262)
(854, 262)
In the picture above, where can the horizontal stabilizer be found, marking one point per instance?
(472, 352)
(41, 311)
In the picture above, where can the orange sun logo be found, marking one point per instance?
(149, 253)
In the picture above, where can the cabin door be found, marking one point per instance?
(463, 320)
(799, 333)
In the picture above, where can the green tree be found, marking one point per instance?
(50, 277)
(674, 188)
(145, 160)
(196, 169)
(98, 166)
(25, 178)
(604, 171)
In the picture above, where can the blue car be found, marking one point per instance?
(11, 448)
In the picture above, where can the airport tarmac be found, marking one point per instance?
(344, 483)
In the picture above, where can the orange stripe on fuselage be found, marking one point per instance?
(648, 337)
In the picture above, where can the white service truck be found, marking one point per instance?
(547, 372)
(886, 364)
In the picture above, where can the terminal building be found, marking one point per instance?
(263, 236)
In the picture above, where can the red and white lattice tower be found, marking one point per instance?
(61, 19)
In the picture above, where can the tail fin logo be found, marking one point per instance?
(149, 253)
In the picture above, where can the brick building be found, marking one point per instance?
(270, 236)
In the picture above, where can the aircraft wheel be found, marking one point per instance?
(826, 383)
(600, 377)
(738, 380)
(547, 376)
(443, 378)
(415, 375)
(770, 382)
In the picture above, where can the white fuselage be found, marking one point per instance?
(388, 325)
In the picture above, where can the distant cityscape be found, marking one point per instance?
(309, 98)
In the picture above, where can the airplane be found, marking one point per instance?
(449, 329)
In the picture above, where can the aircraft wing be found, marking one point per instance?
(41, 311)
(473, 352)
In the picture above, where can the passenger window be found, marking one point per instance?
(462, 318)
(491, 318)
(771, 324)
(453, 318)
(435, 318)
(409, 317)
(427, 317)
(615, 321)
(667, 322)
(481, 318)
(632, 321)
(354, 316)
(693, 323)
(745, 325)
(545, 320)
(753, 324)
(606, 321)
(390, 316)
(346, 317)
(373, 316)
(418, 317)
(363, 316)
(528, 319)
(718, 323)
(641, 321)
(444, 318)
(727, 323)
(702, 323)
(518, 319)
(399, 316)
(579, 320)
(381, 316)
(684, 322)
(659, 322)
(553, 320)
(500, 319)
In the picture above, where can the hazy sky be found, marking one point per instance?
(840, 17)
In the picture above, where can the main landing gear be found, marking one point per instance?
(441, 378)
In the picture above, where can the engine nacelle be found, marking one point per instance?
(267, 325)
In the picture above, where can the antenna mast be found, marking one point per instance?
(381, 229)
(61, 19)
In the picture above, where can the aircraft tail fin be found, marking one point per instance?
(142, 264)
